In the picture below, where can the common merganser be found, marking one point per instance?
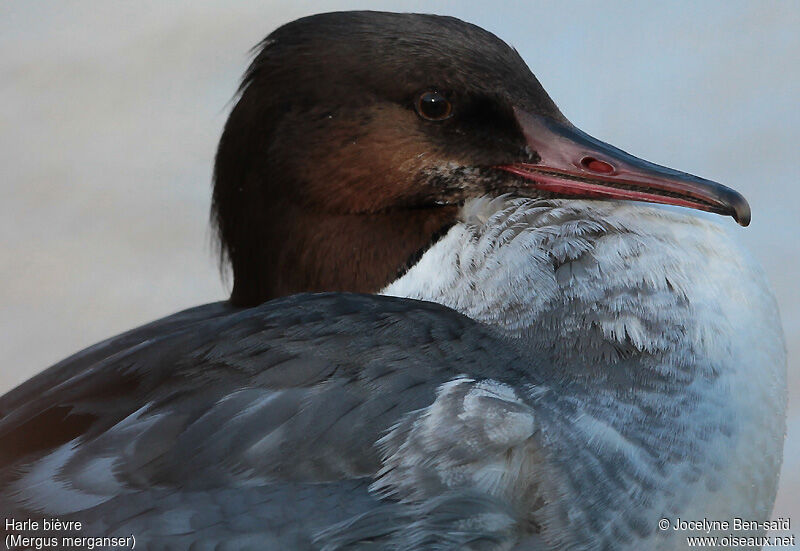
(507, 349)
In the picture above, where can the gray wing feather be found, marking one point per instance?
(172, 428)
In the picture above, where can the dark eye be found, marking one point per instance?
(433, 106)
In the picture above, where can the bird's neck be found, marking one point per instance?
(297, 250)
(582, 281)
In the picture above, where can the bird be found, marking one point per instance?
(456, 322)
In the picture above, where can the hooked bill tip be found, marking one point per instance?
(742, 216)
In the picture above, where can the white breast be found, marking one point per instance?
(579, 280)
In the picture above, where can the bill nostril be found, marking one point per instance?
(596, 165)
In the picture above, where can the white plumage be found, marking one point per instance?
(655, 295)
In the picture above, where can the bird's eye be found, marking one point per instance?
(433, 106)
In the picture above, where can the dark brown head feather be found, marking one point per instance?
(327, 180)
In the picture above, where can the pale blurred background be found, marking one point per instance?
(110, 113)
